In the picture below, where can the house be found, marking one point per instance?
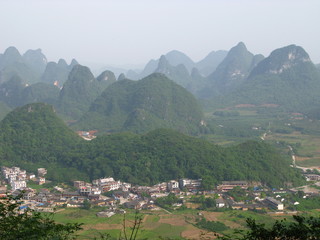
(41, 180)
(94, 197)
(312, 177)
(106, 214)
(162, 187)
(220, 203)
(18, 185)
(99, 203)
(78, 184)
(273, 203)
(172, 185)
(228, 185)
(135, 204)
(28, 194)
(190, 183)
(44, 208)
(31, 176)
(42, 172)
(74, 204)
(148, 206)
(68, 195)
(59, 203)
(125, 186)
(110, 186)
(85, 190)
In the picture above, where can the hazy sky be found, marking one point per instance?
(123, 32)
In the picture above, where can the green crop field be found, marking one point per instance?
(249, 123)
(161, 225)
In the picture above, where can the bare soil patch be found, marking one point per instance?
(269, 105)
(245, 105)
(196, 233)
(173, 220)
(211, 216)
(302, 158)
(192, 205)
(102, 226)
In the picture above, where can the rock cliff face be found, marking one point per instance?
(282, 59)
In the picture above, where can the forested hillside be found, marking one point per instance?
(140, 106)
(33, 136)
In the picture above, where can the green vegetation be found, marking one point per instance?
(144, 105)
(206, 202)
(231, 72)
(33, 136)
(238, 194)
(177, 73)
(39, 92)
(303, 228)
(78, 92)
(294, 87)
(167, 202)
(31, 225)
(4, 110)
(56, 73)
(213, 226)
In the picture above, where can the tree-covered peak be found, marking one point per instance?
(36, 60)
(80, 73)
(62, 63)
(139, 106)
(107, 76)
(12, 52)
(9, 57)
(73, 63)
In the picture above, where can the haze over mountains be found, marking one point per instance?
(287, 78)
(174, 95)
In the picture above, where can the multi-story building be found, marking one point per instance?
(15, 185)
(172, 185)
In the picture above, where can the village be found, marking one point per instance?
(115, 196)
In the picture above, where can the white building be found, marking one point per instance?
(220, 203)
(172, 185)
(189, 182)
(18, 185)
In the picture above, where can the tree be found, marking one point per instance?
(303, 228)
(16, 224)
(86, 204)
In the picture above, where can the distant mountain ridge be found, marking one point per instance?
(231, 72)
(32, 67)
(175, 58)
(287, 77)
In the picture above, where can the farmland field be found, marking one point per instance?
(156, 224)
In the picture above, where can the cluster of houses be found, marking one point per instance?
(111, 193)
(137, 197)
(17, 178)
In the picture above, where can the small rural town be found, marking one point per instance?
(113, 194)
